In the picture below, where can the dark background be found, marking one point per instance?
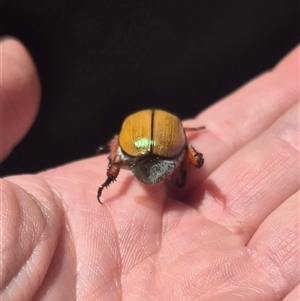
(100, 60)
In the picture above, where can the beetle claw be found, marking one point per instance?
(110, 179)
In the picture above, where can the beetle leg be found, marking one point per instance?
(195, 157)
(180, 182)
(112, 167)
(184, 168)
(105, 148)
(194, 129)
(112, 174)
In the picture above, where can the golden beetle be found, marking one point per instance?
(151, 144)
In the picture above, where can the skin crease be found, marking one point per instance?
(231, 234)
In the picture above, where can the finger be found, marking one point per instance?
(20, 94)
(257, 179)
(293, 295)
(266, 269)
(243, 115)
(29, 236)
(275, 247)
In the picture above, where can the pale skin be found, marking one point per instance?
(232, 233)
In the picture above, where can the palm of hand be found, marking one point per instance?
(230, 234)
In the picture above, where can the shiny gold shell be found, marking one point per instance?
(152, 131)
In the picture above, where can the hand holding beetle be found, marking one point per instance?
(233, 236)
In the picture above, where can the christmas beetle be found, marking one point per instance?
(151, 144)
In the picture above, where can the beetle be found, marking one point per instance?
(151, 143)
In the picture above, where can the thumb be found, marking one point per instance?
(19, 94)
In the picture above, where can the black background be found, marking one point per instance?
(100, 60)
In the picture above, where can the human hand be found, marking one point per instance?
(230, 234)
